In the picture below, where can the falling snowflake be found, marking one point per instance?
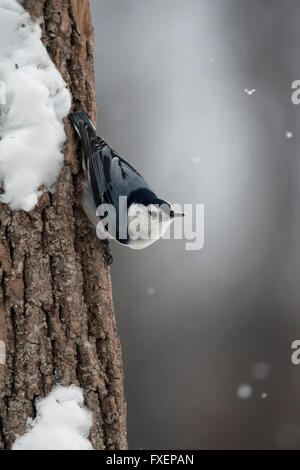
(289, 135)
(250, 92)
(150, 291)
(244, 391)
(261, 370)
(264, 395)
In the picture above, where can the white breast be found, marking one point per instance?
(143, 231)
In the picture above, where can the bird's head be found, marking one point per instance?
(150, 221)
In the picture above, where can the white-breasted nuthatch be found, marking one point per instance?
(109, 179)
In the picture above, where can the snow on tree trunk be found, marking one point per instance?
(57, 323)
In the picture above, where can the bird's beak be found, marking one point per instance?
(174, 214)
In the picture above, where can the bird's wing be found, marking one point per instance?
(110, 177)
(125, 177)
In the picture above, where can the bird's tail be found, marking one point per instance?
(81, 117)
(86, 130)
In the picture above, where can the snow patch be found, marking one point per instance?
(31, 115)
(62, 423)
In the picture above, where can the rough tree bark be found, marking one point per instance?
(56, 311)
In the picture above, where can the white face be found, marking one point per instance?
(147, 224)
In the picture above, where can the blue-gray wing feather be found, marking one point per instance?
(111, 177)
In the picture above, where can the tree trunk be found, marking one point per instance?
(57, 322)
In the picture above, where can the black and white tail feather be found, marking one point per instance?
(86, 131)
(109, 176)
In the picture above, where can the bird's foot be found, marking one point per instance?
(107, 253)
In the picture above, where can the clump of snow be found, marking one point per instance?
(244, 391)
(62, 423)
(31, 118)
(250, 92)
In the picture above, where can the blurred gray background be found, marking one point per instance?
(207, 335)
